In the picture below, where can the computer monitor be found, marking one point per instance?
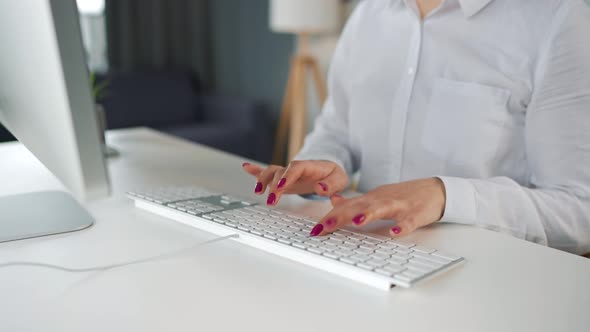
(45, 96)
(46, 103)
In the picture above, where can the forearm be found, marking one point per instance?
(559, 218)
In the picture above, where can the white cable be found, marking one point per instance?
(114, 266)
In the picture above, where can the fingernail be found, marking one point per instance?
(331, 222)
(324, 186)
(396, 230)
(258, 188)
(282, 183)
(316, 230)
(358, 219)
(271, 199)
(245, 164)
(337, 195)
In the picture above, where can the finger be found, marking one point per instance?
(339, 216)
(297, 169)
(404, 226)
(360, 211)
(264, 178)
(274, 195)
(291, 175)
(336, 181)
(252, 169)
(380, 209)
(337, 199)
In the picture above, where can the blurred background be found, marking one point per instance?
(210, 71)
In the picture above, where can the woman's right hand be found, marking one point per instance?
(322, 177)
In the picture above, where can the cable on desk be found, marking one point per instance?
(118, 265)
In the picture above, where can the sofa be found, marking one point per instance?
(172, 102)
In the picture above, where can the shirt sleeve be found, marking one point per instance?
(329, 139)
(555, 209)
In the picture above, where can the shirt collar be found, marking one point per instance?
(469, 7)
(472, 7)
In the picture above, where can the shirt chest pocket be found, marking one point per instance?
(467, 125)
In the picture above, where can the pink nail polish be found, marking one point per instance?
(245, 164)
(337, 195)
(258, 188)
(331, 222)
(396, 230)
(271, 199)
(282, 183)
(358, 219)
(324, 186)
(316, 230)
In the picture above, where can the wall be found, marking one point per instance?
(248, 59)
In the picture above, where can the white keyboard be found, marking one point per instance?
(371, 259)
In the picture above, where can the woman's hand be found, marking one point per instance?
(411, 204)
(299, 177)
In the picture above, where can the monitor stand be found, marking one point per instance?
(38, 214)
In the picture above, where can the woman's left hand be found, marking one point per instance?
(411, 204)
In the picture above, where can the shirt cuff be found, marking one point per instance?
(460, 206)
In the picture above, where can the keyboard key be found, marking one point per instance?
(363, 251)
(446, 256)
(402, 256)
(338, 237)
(412, 274)
(360, 258)
(423, 249)
(348, 246)
(299, 245)
(348, 260)
(285, 241)
(270, 236)
(402, 244)
(331, 254)
(333, 242)
(434, 259)
(387, 252)
(380, 256)
(371, 247)
(316, 250)
(424, 263)
(403, 251)
(353, 243)
(397, 260)
(372, 241)
(402, 277)
(364, 266)
(417, 267)
(329, 247)
(387, 245)
(376, 262)
(393, 268)
(346, 252)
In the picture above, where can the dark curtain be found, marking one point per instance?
(160, 34)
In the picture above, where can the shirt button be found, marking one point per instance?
(411, 71)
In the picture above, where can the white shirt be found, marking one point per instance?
(492, 96)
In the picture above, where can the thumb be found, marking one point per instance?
(337, 199)
(331, 184)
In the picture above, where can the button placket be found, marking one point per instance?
(397, 138)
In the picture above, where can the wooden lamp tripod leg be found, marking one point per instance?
(320, 83)
(298, 114)
(284, 120)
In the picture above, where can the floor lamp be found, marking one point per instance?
(302, 18)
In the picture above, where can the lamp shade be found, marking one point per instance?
(304, 16)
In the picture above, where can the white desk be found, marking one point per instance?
(506, 284)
